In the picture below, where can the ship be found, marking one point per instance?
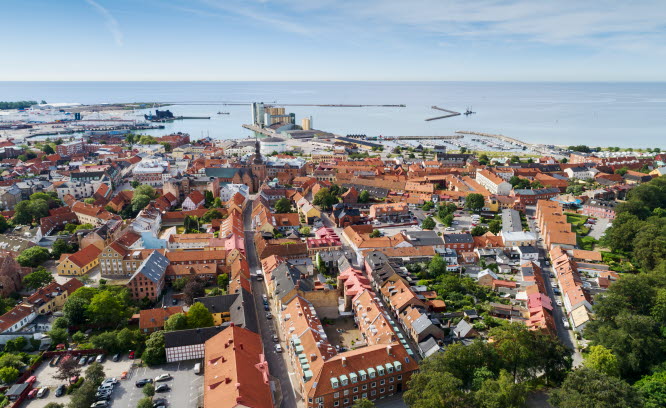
(468, 112)
(223, 113)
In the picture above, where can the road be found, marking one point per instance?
(276, 361)
(566, 336)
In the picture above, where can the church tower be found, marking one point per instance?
(258, 166)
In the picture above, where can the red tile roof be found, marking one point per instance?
(153, 319)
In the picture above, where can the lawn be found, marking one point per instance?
(577, 221)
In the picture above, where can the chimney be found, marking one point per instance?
(388, 350)
(344, 361)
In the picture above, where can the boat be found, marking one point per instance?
(223, 113)
(468, 112)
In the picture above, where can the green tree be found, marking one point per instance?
(75, 309)
(478, 231)
(107, 340)
(364, 403)
(89, 200)
(54, 405)
(495, 226)
(68, 368)
(147, 140)
(145, 189)
(432, 389)
(58, 335)
(428, 205)
(106, 309)
(167, 146)
(375, 233)
(212, 214)
(11, 360)
(436, 266)
(4, 225)
(448, 220)
(474, 202)
(325, 199)
(603, 360)
(154, 353)
(428, 224)
(484, 160)
(139, 202)
(283, 206)
(179, 283)
(501, 393)
(653, 390)
(208, 198)
(135, 184)
(8, 374)
(364, 196)
(145, 402)
(177, 321)
(40, 277)
(129, 339)
(60, 323)
(17, 344)
(199, 316)
(217, 203)
(304, 230)
(79, 337)
(95, 373)
(84, 396)
(590, 388)
(33, 256)
(46, 148)
(193, 289)
(223, 281)
(60, 246)
(148, 390)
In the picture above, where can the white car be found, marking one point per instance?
(558, 302)
(112, 381)
(163, 377)
(449, 229)
(278, 348)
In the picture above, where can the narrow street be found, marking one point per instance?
(276, 361)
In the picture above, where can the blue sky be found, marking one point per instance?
(486, 40)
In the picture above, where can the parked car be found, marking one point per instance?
(143, 382)
(449, 229)
(33, 393)
(83, 360)
(123, 376)
(100, 358)
(42, 392)
(269, 316)
(102, 396)
(174, 301)
(162, 388)
(159, 402)
(267, 308)
(131, 355)
(73, 379)
(197, 368)
(112, 381)
(116, 357)
(91, 359)
(163, 377)
(558, 302)
(60, 391)
(100, 404)
(276, 338)
(278, 348)
(54, 361)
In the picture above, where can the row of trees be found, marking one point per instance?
(489, 374)
(17, 105)
(106, 306)
(28, 211)
(327, 197)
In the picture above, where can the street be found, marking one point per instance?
(276, 361)
(567, 337)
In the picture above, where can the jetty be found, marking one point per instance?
(449, 114)
(451, 137)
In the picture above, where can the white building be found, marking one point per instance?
(581, 173)
(151, 172)
(492, 182)
(520, 238)
(229, 190)
(77, 189)
(272, 144)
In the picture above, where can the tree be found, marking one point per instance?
(33, 256)
(375, 233)
(145, 402)
(212, 214)
(653, 390)
(208, 198)
(283, 205)
(147, 139)
(448, 220)
(304, 230)
(501, 393)
(436, 266)
(199, 316)
(17, 344)
(58, 335)
(603, 360)
(519, 183)
(474, 201)
(79, 337)
(40, 277)
(432, 389)
(495, 226)
(193, 289)
(75, 309)
(135, 184)
(148, 390)
(67, 369)
(106, 341)
(325, 199)
(223, 280)
(478, 231)
(4, 225)
(11, 360)
(60, 323)
(585, 387)
(139, 202)
(106, 309)
(8, 374)
(364, 403)
(176, 321)
(95, 374)
(167, 146)
(364, 196)
(46, 148)
(179, 283)
(60, 246)
(428, 224)
(428, 205)
(83, 396)
(575, 189)
(154, 353)
(484, 160)
(54, 405)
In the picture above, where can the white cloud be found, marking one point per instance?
(111, 22)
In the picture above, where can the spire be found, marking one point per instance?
(257, 151)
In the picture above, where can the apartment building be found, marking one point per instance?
(492, 182)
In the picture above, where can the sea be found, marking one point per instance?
(595, 114)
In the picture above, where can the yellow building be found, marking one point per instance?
(52, 297)
(80, 262)
(307, 209)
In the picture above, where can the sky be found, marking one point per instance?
(335, 40)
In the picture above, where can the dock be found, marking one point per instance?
(450, 113)
(259, 129)
(451, 137)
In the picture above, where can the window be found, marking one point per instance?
(346, 400)
(336, 403)
(365, 395)
(390, 388)
(336, 395)
(391, 379)
(346, 392)
(364, 387)
(382, 382)
(381, 390)
(355, 390)
(373, 385)
(373, 393)
(355, 397)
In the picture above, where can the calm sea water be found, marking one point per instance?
(597, 114)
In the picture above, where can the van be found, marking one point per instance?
(260, 276)
(197, 368)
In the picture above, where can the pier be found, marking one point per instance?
(452, 137)
(450, 113)
(259, 129)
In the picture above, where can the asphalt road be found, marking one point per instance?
(566, 336)
(276, 361)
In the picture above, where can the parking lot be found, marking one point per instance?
(45, 378)
(186, 387)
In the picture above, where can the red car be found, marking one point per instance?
(31, 379)
(33, 393)
(131, 355)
